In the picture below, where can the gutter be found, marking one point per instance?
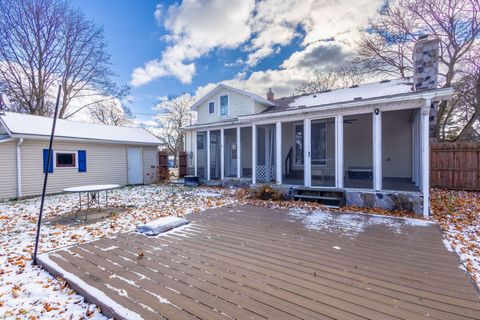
(19, 168)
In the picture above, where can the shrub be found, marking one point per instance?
(266, 192)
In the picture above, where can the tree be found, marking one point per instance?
(173, 115)
(44, 43)
(332, 79)
(112, 114)
(388, 45)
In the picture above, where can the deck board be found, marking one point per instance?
(256, 263)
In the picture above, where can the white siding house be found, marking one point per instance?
(369, 142)
(83, 153)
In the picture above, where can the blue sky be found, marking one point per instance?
(165, 48)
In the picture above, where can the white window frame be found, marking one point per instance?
(303, 139)
(208, 106)
(220, 105)
(326, 145)
(55, 152)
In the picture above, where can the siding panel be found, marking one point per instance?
(105, 164)
(8, 170)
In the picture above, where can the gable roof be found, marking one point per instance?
(18, 124)
(221, 86)
(372, 90)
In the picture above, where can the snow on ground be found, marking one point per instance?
(28, 292)
(458, 213)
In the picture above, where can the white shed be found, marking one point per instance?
(84, 153)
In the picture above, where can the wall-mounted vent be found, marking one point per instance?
(357, 98)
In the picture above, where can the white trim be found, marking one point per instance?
(239, 153)
(220, 115)
(278, 152)
(254, 153)
(307, 165)
(222, 154)
(195, 151)
(425, 128)
(339, 151)
(19, 168)
(60, 138)
(377, 151)
(214, 107)
(55, 152)
(208, 155)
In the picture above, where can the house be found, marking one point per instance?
(370, 143)
(83, 153)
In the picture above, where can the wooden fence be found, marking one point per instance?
(455, 165)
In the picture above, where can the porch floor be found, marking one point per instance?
(245, 262)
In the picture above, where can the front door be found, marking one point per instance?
(134, 163)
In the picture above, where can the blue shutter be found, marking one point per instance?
(82, 161)
(45, 159)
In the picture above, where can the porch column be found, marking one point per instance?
(278, 152)
(339, 151)
(195, 151)
(254, 153)
(425, 141)
(239, 154)
(208, 155)
(377, 150)
(306, 152)
(222, 154)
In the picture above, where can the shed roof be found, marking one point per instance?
(31, 125)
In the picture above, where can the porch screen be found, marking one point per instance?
(322, 151)
(202, 155)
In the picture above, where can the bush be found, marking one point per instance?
(266, 192)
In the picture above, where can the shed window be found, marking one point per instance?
(211, 107)
(65, 159)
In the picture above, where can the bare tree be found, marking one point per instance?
(332, 79)
(44, 43)
(388, 45)
(111, 114)
(173, 115)
(30, 52)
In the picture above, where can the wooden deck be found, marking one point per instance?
(256, 263)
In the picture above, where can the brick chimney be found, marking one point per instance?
(270, 95)
(425, 63)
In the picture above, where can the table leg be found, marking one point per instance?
(98, 199)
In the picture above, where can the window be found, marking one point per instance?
(200, 139)
(223, 105)
(299, 144)
(65, 160)
(319, 144)
(211, 107)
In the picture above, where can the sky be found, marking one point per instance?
(168, 48)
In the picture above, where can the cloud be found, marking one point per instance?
(195, 28)
(325, 30)
(158, 13)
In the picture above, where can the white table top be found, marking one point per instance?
(92, 187)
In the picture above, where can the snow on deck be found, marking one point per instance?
(242, 262)
(26, 290)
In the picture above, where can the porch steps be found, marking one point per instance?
(329, 197)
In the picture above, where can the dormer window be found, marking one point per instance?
(211, 107)
(223, 105)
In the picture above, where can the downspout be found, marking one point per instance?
(19, 168)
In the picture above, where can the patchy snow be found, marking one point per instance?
(458, 213)
(365, 91)
(350, 224)
(28, 291)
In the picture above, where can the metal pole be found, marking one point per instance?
(39, 221)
